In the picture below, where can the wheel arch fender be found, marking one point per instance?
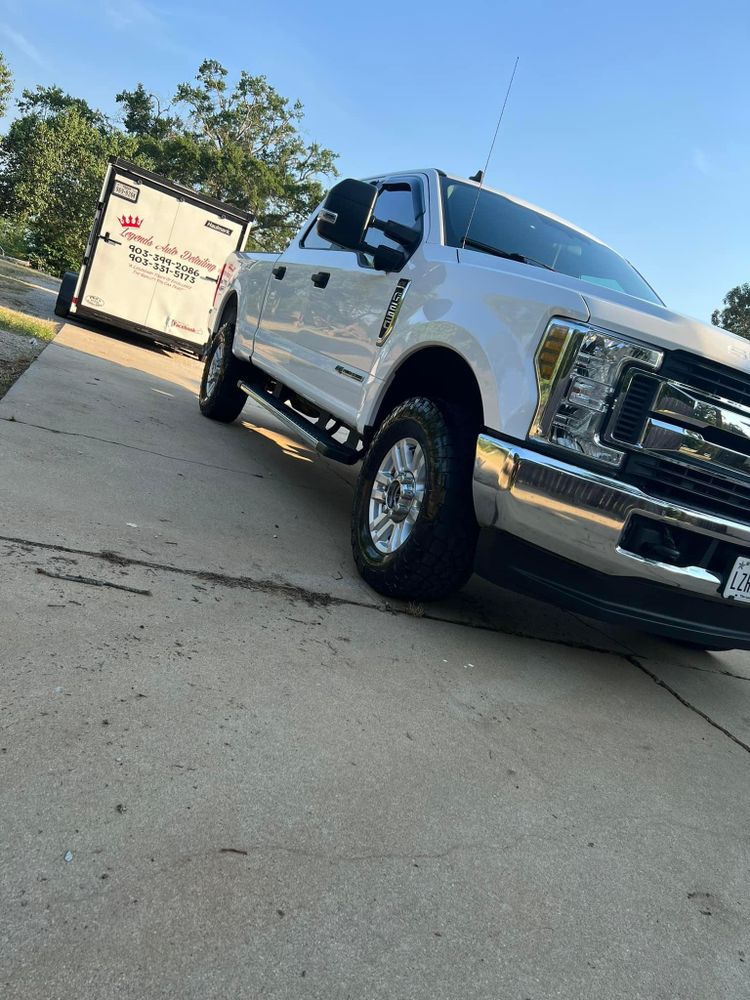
(228, 309)
(458, 370)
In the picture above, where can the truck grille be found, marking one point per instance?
(636, 406)
(707, 377)
(687, 434)
(689, 486)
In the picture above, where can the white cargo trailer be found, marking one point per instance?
(153, 258)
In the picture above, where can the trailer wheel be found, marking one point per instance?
(65, 295)
(413, 527)
(219, 397)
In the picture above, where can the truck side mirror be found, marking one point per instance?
(388, 259)
(346, 213)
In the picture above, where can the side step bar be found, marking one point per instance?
(316, 437)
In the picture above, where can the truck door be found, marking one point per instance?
(325, 310)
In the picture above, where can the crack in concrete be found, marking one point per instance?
(595, 627)
(318, 599)
(317, 855)
(724, 673)
(636, 660)
(90, 582)
(683, 701)
(687, 666)
(312, 597)
(132, 447)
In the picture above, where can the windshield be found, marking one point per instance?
(508, 229)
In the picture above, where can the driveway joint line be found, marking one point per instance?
(132, 447)
(317, 599)
(311, 597)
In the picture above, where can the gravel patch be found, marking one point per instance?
(16, 354)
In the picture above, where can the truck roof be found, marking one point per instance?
(503, 194)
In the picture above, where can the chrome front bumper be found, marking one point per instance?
(581, 516)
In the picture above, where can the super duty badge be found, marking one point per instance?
(394, 308)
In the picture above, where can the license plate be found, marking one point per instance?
(738, 584)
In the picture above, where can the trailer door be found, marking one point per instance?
(187, 269)
(120, 279)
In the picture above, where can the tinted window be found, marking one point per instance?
(395, 203)
(503, 225)
(312, 241)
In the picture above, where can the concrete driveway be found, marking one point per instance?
(32, 292)
(229, 769)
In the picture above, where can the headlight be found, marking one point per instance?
(577, 371)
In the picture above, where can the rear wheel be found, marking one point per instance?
(413, 527)
(219, 398)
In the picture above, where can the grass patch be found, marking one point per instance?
(26, 326)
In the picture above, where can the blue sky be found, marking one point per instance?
(630, 119)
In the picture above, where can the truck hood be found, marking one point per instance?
(647, 321)
(660, 327)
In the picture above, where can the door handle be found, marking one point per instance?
(107, 239)
(278, 272)
(320, 278)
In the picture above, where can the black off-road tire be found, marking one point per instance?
(438, 556)
(224, 401)
(65, 295)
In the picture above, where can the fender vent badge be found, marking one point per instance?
(349, 373)
(394, 307)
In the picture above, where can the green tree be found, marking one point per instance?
(52, 162)
(6, 85)
(241, 144)
(144, 116)
(46, 102)
(735, 315)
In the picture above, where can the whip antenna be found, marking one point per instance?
(481, 174)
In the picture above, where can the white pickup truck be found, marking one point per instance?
(522, 402)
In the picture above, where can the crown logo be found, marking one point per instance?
(128, 222)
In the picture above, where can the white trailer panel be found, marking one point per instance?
(155, 255)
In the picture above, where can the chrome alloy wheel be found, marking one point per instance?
(397, 495)
(214, 369)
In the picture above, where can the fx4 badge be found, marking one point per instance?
(394, 307)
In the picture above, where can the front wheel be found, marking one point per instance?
(413, 527)
(219, 398)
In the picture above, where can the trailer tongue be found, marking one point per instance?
(153, 258)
